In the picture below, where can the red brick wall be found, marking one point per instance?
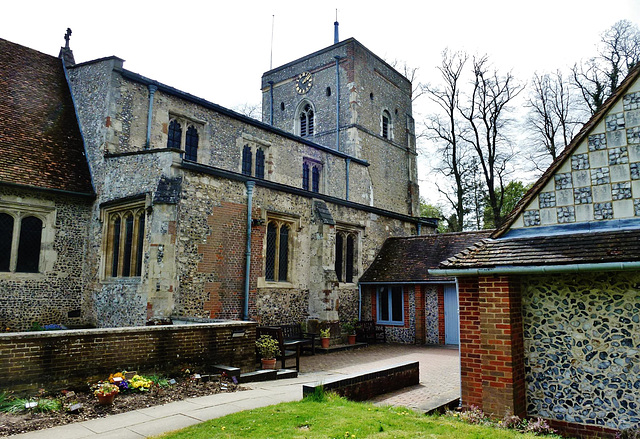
(582, 431)
(491, 344)
(224, 256)
(470, 343)
(502, 346)
(67, 359)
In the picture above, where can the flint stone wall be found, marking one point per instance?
(582, 348)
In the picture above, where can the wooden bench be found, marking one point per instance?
(287, 349)
(367, 331)
(294, 333)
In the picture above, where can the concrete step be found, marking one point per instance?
(258, 375)
(340, 347)
(286, 373)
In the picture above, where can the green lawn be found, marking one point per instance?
(338, 418)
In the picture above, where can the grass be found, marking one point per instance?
(335, 417)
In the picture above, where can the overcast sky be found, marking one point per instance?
(218, 51)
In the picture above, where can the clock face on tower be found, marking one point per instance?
(304, 81)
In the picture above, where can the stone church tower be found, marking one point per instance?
(347, 98)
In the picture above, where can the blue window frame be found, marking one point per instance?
(390, 304)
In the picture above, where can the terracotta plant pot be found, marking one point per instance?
(324, 342)
(106, 399)
(352, 339)
(268, 363)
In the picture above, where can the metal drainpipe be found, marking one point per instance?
(419, 229)
(359, 302)
(271, 103)
(337, 102)
(347, 161)
(152, 92)
(247, 272)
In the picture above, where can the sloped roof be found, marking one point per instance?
(40, 141)
(619, 92)
(579, 248)
(408, 259)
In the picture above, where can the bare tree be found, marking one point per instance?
(552, 117)
(486, 112)
(249, 110)
(618, 52)
(444, 129)
(411, 73)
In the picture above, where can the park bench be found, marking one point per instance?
(294, 333)
(367, 331)
(287, 349)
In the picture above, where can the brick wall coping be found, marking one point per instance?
(382, 380)
(26, 335)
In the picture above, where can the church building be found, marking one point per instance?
(125, 201)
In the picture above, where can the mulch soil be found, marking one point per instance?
(11, 424)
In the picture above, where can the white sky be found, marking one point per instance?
(219, 50)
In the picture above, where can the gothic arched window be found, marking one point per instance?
(191, 144)
(306, 121)
(175, 135)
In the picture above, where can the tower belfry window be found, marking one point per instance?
(386, 125)
(306, 121)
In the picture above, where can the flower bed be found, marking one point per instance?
(135, 391)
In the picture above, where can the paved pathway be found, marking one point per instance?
(439, 383)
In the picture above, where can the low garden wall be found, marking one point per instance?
(56, 360)
(362, 387)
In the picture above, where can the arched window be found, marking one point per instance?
(175, 135)
(306, 121)
(125, 239)
(277, 251)
(6, 240)
(259, 163)
(345, 259)
(246, 160)
(29, 245)
(386, 125)
(305, 176)
(191, 144)
(315, 179)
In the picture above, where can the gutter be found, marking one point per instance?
(538, 269)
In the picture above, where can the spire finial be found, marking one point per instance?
(336, 39)
(67, 37)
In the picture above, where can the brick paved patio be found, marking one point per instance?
(439, 371)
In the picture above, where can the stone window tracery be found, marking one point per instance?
(124, 240)
(20, 241)
(306, 120)
(277, 253)
(177, 137)
(311, 175)
(346, 254)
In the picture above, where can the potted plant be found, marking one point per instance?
(324, 337)
(349, 328)
(106, 392)
(268, 350)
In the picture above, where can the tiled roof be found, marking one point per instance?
(408, 259)
(619, 92)
(579, 248)
(40, 141)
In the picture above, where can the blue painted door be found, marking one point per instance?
(451, 319)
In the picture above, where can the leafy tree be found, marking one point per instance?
(512, 194)
(432, 211)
